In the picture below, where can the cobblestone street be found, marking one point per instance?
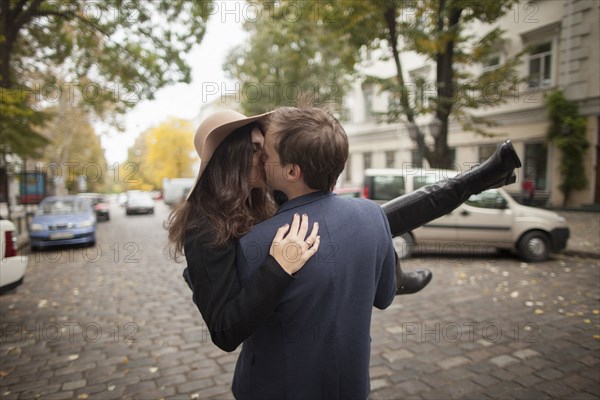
(117, 321)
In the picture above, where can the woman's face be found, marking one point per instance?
(257, 178)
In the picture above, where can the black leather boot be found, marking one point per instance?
(412, 281)
(414, 209)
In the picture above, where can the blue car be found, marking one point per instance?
(62, 220)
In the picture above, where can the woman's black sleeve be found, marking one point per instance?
(230, 311)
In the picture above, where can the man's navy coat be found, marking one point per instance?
(317, 343)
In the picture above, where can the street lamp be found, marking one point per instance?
(435, 128)
(413, 131)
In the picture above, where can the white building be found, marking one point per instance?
(564, 42)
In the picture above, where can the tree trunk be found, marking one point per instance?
(6, 31)
(440, 157)
(389, 14)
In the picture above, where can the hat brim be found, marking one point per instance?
(214, 140)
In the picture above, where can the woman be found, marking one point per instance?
(228, 198)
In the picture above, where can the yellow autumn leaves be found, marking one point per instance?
(164, 151)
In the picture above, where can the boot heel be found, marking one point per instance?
(503, 182)
(511, 179)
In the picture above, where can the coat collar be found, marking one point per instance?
(303, 200)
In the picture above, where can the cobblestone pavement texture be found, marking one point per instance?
(117, 321)
(585, 232)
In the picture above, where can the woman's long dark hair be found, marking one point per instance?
(223, 206)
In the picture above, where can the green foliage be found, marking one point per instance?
(18, 123)
(75, 148)
(455, 49)
(113, 54)
(567, 131)
(289, 58)
(436, 29)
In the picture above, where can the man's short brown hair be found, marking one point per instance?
(313, 139)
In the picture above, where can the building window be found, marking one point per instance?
(535, 165)
(492, 62)
(540, 65)
(418, 87)
(367, 159)
(390, 159)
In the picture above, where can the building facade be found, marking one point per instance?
(562, 44)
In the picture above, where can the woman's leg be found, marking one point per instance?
(414, 209)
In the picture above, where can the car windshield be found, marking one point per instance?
(62, 206)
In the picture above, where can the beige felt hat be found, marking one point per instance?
(213, 130)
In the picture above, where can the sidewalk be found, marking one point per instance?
(585, 233)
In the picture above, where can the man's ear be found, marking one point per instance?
(292, 172)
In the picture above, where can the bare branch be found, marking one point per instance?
(27, 15)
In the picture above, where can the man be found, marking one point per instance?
(316, 345)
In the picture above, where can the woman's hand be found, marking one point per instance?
(292, 251)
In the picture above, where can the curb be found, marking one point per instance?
(580, 253)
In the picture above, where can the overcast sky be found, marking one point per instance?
(224, 31)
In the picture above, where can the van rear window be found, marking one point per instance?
(423, 180)
(387, 187)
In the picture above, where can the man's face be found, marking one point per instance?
(273, 167)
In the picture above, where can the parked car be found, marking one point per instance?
(99, 203)
(139, 203)
(62, 220)
(489, 220)
(12, 267)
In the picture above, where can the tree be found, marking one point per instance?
(114, 52)
(164, 151)
(567, 131)
(74, 150)
(436, 29)
(133, 174)
(289, 57)
(169, 152)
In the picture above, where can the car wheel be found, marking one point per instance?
(403, 245)
(534, 246)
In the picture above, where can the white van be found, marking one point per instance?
(176, 189)
(488, 220)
